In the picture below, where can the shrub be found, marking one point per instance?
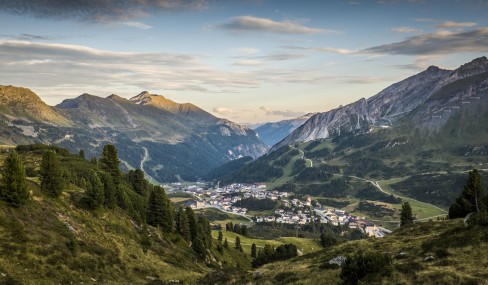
(361, 264)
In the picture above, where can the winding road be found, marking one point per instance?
(143, 161)
(302, 155)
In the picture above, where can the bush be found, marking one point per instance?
(361, 264)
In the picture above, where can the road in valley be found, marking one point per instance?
(302, 155)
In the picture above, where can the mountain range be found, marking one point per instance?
(274, 132)
(426, 100)
(169, 141)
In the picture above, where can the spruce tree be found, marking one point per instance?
(109, 190)
(94, 191)
(192, 222)
(253, 251)
(109, 161)
(226, 243)
(205, 231)
(13, 186)
(406, 216)
(221, 236)
(471, 199)
(238, 243)
(182, 226)
(138, 181)
(159, 212)
(51, 174)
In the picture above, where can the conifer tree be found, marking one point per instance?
(51, 174)
(82, 154)
(226, 243)
(471, 199)
(221, 236)
(138, 181)
(109, 190)
(238, 242)
(253, 250)
(192, 222)
(94, 191)
(220, 248)
(199, 247)
(205, 231)
(159, 212)
(109, 161)
(182, 226)
(406, 216)
(13, 186)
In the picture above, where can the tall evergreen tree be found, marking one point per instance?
(406, 216)
(471, 199)
(51, 174)
(192, 222)
(82, 154)
(238, 242)
(182, 226)
(226, 243)
(94, 191)
(109, 190)
(138, 181)
(13, 186)
(109, 161)
(220, 237)
(205, 231)
(159, 212)
(253, 250)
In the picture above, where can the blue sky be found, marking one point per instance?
(249, 61)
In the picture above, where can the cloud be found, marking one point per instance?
(405, 30)
(421, 62)
(246, 50)
(27, 37)
(439, 42)
(255, 24)
(282, 113)
(452, 24)
(248, 62)
(99, 10)
(280, 56)
(321, 49)
(139, 25)
(223, 111)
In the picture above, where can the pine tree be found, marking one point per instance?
(82, 154)
(109, 190)
(205, 231)
(138, 181)
(221, 236)
(13, 186)
(253, 251)
(51, 174)
(226, 243)
(406, 216)
(182, 226)
(109, 161)
(94, 191)
(238, 243)
(327, 239)
(471, 199)
(192, 222)
(159, 212)
(199, 247)
(220, 248)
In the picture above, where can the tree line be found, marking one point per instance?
(105, 187)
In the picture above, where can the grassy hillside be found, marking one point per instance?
(61, 241)
(459, 258)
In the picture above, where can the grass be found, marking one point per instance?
(305, 245)
(460, 258)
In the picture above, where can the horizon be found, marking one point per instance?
(251, 62)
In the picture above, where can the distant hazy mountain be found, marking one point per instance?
(272, 133)
(428, 99)
(170, 141)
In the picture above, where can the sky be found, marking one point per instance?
(248, 61)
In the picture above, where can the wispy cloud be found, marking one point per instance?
(224, 111)
(139, 25)
(246, 50)
(27, 37)
(452, 24)
(405, 30)
(420, 63)
(439, 42)
(255, 24)
(281, 56)
(98, 11)
(282, 113)
(321, 49)
(248, 62)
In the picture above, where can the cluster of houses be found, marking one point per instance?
(292, 211)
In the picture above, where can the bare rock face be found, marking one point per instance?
(272, 133)
(427, 99)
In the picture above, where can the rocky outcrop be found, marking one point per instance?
(427, 99)
(272, 133)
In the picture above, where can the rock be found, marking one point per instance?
(3, 274)
(429, 258)
(401, 255)
(339, 260)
